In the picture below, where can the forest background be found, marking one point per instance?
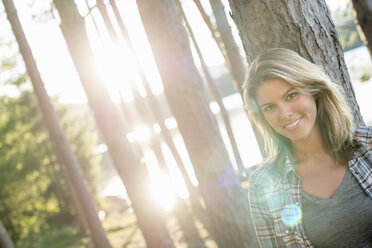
(37, 208)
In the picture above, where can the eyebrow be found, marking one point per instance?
(289, 90)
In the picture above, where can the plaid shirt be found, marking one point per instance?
(275, 196)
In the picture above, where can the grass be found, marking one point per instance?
(123, 232)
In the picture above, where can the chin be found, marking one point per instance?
(297, 137)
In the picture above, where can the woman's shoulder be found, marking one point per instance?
(364, 135)
(264, 175)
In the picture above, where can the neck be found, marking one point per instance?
(310, 148)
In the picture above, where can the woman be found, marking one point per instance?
(315, 188)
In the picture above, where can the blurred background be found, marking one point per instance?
(98, 144)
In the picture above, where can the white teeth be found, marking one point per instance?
(293, 123)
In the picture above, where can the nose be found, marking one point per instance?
(285, 111)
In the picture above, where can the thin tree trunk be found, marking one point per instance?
(232, 50)
(80, 216)
(303, 26)
(184, 219)
(106, 19)
(226, 203)
(160, 117)
(147, 114)
(59, 141)
(5, 241)
(131, 126)
(363, 21)
(216, 96)
(221, 46)
(112, 127)
(7, 214)
(213, 31)
(83, 222)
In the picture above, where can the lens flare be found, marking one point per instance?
(291, 215)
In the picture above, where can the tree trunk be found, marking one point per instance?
(226, 203)
(58, 139)
(5, 241)
(184, 219)
(237, 72)
(83, 222)
(237, 65)
(80, 216)
(160, 117)
(146, 116)
(7, 214)
(303, 26)
(216, 96)
(112, 127)
(363, 21)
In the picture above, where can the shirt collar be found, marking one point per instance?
(285, 165)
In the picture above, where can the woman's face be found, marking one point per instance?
(287, 110)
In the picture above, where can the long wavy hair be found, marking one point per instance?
(334, 117)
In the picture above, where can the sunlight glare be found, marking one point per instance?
(133, 24)
(176, 177)
(156, 128)
(112, 59)
(115, 187)
(171, 123)
(142, 134)
(82, 7)
(159, 183)
(207, 45)
(178, 141)
(131, 137)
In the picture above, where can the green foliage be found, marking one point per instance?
(55, 236)
(365, 77)
(32, 191)
(35, 206)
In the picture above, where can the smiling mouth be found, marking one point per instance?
(292, 124)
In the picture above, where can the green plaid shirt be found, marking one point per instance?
(275, 196)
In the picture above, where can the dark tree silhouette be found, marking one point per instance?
(363, 21)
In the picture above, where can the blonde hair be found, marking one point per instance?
(334, 117)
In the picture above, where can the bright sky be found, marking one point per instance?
(56, 67)
(337, 4)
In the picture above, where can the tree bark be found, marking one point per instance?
(112, 127)
(363, 21)
(303, 26)
(58, 138)
(5, 241)
(226, 203)
(237, 65)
